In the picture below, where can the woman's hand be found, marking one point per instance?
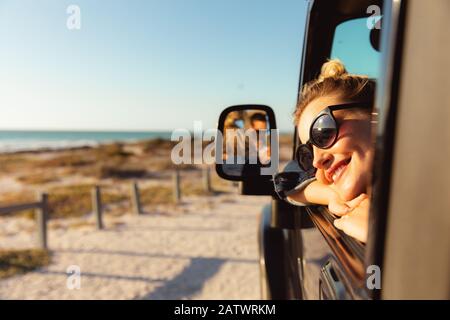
(340, 207)
(356, 222)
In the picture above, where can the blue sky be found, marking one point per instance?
(146, 65)
(351, 44)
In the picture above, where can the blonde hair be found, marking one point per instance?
(335, 80)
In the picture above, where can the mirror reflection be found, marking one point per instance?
(246, 142)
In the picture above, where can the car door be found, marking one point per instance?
(410, 237)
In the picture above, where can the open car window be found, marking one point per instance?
(355, 45)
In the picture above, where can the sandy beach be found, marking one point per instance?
(204, 247)
(205, 251)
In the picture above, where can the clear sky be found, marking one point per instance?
(146, 65)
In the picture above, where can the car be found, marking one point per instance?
(404, 45)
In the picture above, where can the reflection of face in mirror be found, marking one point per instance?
(258, 121)
(246, 142)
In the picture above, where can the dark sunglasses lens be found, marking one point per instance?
(305, 157)
(323, 131)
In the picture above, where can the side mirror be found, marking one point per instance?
(247, 144)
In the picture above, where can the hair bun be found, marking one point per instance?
(332, 69)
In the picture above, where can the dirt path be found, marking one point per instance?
(209, 251)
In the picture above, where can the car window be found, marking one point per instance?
(351, 45)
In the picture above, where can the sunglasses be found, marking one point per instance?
(323, 133)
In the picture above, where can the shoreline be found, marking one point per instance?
(12, 141)
(16, 145)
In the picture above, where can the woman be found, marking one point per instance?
(333, 120)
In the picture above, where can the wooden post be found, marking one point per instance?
(207, 179)
(235, 185)
(176, 186)
(135, 198)
(41, 221)
(97, 206)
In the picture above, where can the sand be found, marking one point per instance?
(205, 249)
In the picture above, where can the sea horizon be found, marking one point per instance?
(31, 140)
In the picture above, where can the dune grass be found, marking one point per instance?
(165, 195)
(37, 178)
(14, 262)
(76, 200)
(67, 201)
(110, 165)
(12, 198)
(12, 163)
(156, 195)
(153, 145)
(105, 161)
(66, 160)
(106, 171)
(193, 187)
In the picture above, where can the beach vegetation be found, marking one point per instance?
(157, 145)
(153, 195)
(12, 162)
(76, 200)
(66, 160)
(64, 201)
(108, 151)
(14, 262)
(12, 198)
(107, 171)
(37, 178)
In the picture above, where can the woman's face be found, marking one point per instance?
(346, 166)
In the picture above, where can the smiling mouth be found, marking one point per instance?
(338, 171)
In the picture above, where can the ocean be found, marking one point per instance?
(11, 141)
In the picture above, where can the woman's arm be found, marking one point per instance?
(319, 193)
(354, 213)
(315, 192)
